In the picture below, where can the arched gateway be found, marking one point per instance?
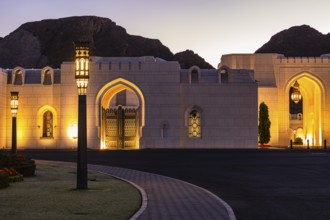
(120, 115)
(306, 113)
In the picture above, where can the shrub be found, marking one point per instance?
(27, 169)
(264, 124)
(21, 163)
(4, 179)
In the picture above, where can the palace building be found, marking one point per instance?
(295, 89)
(147, 102)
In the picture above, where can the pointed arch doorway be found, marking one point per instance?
(306, 115)
(120, 115)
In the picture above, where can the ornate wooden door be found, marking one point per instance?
(120, 127)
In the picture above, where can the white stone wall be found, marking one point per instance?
(158, 81)
(228, 112)
(3, 109)
(229, 117)
(69, 105)
(32, 97)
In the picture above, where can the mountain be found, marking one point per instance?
(298, 41)
(50, 42)
(188, 58)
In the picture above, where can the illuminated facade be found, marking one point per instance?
(296, 92)
(132, 103)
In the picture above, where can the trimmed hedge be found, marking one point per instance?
(27, 169)
(19, 162)
(4, 180)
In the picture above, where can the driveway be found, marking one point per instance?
(257, 184)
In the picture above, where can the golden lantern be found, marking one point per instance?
(296, 95)
(82, 66)
(14, 103)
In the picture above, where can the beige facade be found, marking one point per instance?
(3, 107)
(276, 74)
(132, 103)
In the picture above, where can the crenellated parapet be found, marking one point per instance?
(323, 59)
(132, 63)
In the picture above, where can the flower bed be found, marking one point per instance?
(13, 175)
(13, 167)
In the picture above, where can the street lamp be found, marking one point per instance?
(82, 77)
(14, 108)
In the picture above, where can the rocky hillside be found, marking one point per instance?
(50, 42)
(298, 41)
(188, 58)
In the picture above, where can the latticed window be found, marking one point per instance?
(194, 124)
(47, 124)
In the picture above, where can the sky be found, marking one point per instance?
(210, 28)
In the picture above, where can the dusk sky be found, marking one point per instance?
(210, 28)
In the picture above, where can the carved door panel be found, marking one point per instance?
(120, 127)
(130, 128)
(111, 128)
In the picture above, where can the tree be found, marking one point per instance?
(264, 124)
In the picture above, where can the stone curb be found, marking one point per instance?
(141, 190)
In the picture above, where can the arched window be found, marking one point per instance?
(18, 78)
(194, 124)
(224, 75)
(163, 129)
(47, 128)
(194, 76)
(47, 78)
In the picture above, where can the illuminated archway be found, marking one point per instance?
(312, 91)
(106, 94)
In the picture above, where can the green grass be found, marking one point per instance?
(51, 194)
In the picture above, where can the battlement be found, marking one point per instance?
(323, 59)
(130, 63)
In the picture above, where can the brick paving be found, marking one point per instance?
(168, 198)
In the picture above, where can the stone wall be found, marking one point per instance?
(32, 99)
(228, 115)
(3, 109)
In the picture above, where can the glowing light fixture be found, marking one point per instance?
(14, 103)
(82, 66)
(296, 95)
(73, 130)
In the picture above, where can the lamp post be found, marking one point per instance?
(82, 77)
(14, 108)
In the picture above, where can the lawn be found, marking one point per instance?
(51, 194)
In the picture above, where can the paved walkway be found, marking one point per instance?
(168, 198)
